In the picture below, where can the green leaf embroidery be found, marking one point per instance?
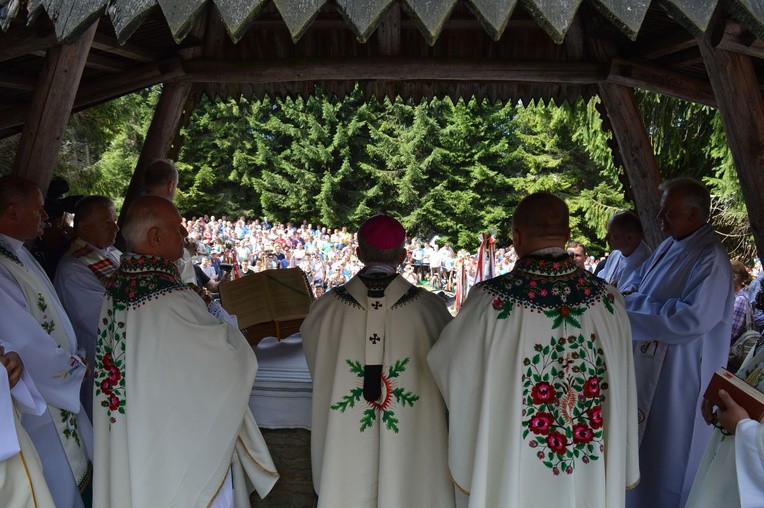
(398, 367)
(367, 419)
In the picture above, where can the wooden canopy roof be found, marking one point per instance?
(500, 49)
(707, 51)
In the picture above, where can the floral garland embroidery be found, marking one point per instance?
(563, 393)
(390, 395)
(552, 286)
(110, 363)
(71, 429)
(143, 278)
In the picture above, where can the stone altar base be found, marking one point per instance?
(290, 449)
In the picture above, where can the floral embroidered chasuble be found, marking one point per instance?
(389, 451)
(537, 373)
(171, 411)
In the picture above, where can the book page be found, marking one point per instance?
(288, 293)
(246, 299)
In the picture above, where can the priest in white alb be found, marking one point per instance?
(628, 248)
(379, 423)
(172, 384)
(36, 326)
(22, 483)
(680, 308)
(537, 373)
(82, 271)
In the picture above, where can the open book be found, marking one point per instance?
(751, 399)
(271, 303)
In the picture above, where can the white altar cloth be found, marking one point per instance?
(281, 394)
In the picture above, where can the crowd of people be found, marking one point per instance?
(123, 384)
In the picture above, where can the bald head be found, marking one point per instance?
(540, 221)
(153, 227)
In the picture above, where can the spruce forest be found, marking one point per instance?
(447, 168)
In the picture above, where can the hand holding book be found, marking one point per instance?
(734, 399)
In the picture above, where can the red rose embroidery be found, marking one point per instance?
(543, 393)
(582, 434)
(564, 311)
(498, 303)
(595, 417)
(592, 387)
(541, 423)
(557, 442)
(113, 402)
(611, 297)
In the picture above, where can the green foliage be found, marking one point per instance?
(454, 169)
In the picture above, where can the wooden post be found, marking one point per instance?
(50, 109)
(739, 100)
(159, 137)
(637, 155)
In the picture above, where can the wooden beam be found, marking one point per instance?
(14, 46)
(637, 156)
(97, 92)
(742, 110)
(159, 136)
(168, 115)
(50, 110)
(133, 52)
(390, 69)
(17, 82)
(655, 79)
(737, 39)
(679, 41)
(104, 63)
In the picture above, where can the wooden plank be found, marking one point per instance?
(636, 154)
(133, 52)
(642, 75)
(50, 110)
(104, 63)
(742, 109)
(389, 32)
(392, 69)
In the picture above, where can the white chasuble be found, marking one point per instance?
(172, 387)
(22, 484)
(42, 334)
(731, 473)
(681, 316)
(537, 373)
(389, 451)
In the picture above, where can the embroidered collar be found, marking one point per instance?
(143, 278)
(551, 265)
(543, 282)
